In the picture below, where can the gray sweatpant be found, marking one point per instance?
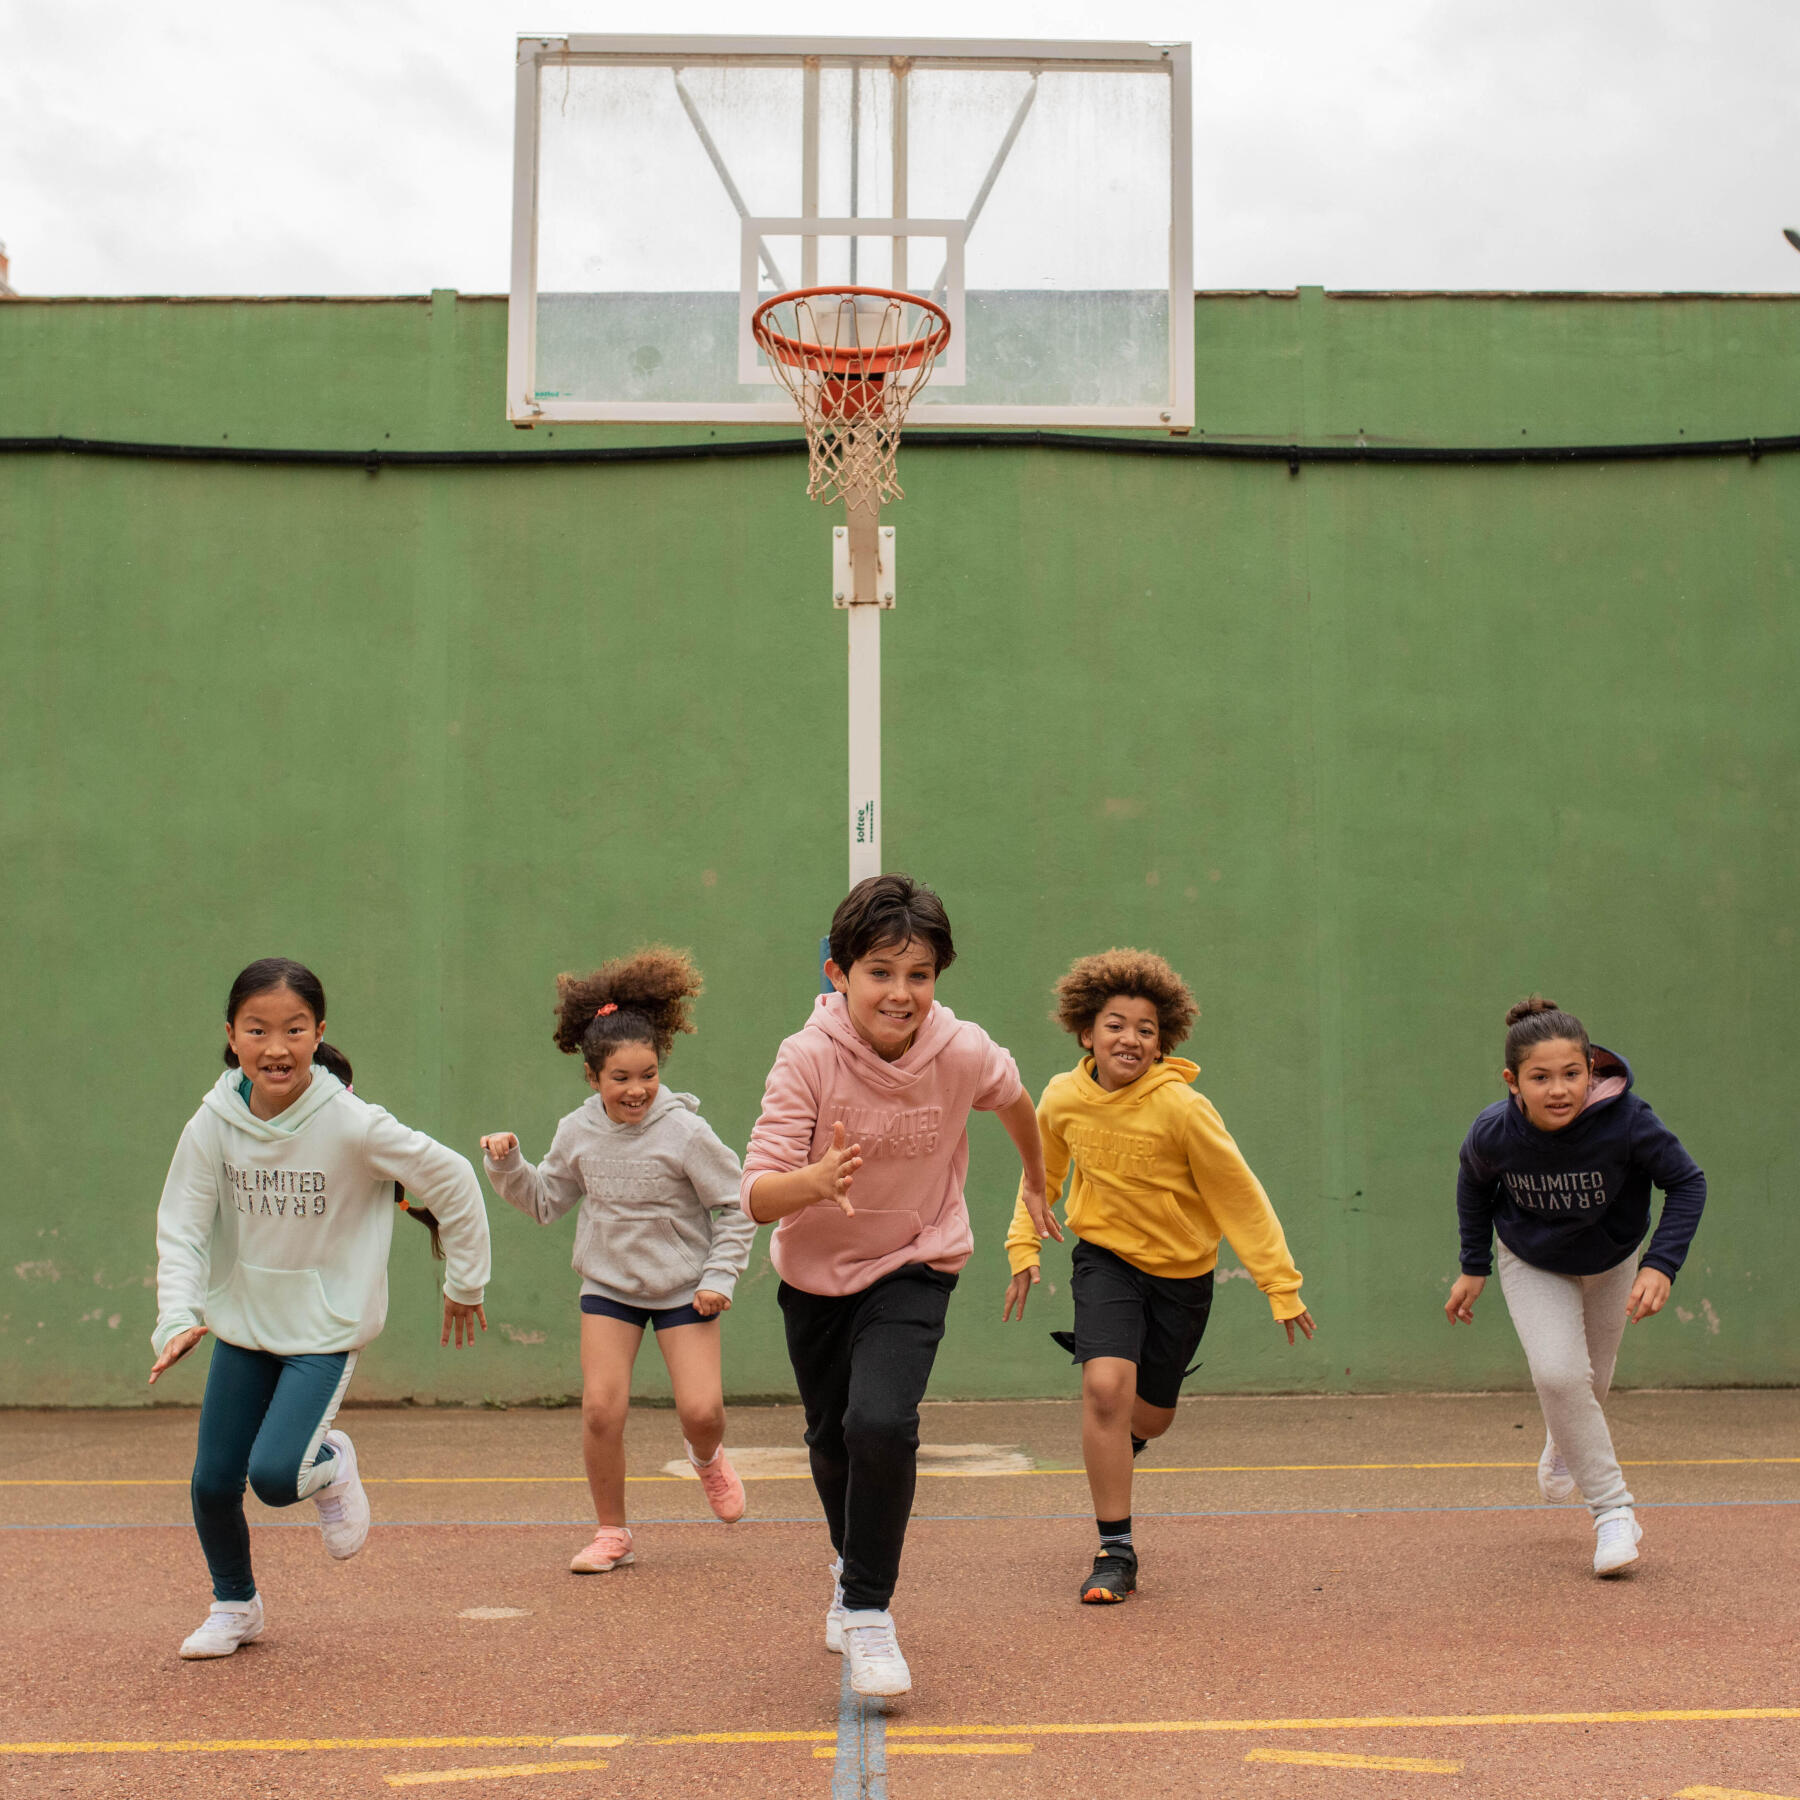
(1570, 1326)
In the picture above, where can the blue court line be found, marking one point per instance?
(1277, 1512)
(859, 1771)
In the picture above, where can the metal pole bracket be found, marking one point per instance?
(843, 581)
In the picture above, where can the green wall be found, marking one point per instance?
(1368, 752)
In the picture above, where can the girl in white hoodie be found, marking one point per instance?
(660, 1239)
(273, 1235)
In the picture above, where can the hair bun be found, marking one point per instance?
(1535, 1003)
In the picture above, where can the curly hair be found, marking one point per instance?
(1082, 994)
(637, 999)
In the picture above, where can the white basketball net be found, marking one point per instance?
(853, 362)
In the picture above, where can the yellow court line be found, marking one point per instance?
(943, 1750)
(494, 1772)
(746, 1737)
(196, 1746)
(1671, 1462)
(1719, 1793)
(1371, 1722)
(1713, 1715)
(1336, 1759)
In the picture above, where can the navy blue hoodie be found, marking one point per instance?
(1577, 1201)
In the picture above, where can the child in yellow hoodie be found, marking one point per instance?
(1157, 1182)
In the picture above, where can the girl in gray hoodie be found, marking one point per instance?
(660, 1239)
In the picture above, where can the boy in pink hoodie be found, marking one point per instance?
(876, 1091)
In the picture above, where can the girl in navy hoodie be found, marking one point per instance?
(1562, 1170)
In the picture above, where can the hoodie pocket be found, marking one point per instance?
(642, 1258)
(283, 1311)
(865, 1237)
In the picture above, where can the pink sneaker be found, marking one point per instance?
(611, 1549)
(724, 1492)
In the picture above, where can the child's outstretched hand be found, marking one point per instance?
(830, 1177)
(461, 1319)
(175, 1349)
(1460, 1307)
(709, 1304)
(1305, 1321)
(499, 1145)
(1649, 1294)
(1043, 1220)
(1018, 1291)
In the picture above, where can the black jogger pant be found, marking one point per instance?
(861, 1362)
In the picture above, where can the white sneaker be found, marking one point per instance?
(230, 1623)
(834, 1617)
(1555, 1482)
(876, 1665)
(343, 1506)
(1616, 1537)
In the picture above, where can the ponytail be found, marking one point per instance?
(264, 977)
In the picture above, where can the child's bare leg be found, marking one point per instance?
(1108, 1395)
(1149, 1421)
(608, 1349)
(692, 1355)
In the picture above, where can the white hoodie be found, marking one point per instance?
(274, 1233)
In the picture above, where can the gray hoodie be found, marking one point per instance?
(659, 1201)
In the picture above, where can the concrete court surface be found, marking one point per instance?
(1341, 1597)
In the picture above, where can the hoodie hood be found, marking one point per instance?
(224, 1099)
(831, 1015)
(1612, 1077)
(667, 1100)
(1171, 1069)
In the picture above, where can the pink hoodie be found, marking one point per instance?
(911, 1118)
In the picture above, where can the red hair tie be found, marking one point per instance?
(610, 1006)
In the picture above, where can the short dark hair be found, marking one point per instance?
(884, 910)
(1536, 1021)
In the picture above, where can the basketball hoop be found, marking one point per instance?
(853, 358)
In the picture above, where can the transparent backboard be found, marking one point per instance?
(1039, 192)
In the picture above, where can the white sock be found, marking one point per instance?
(698, 1464)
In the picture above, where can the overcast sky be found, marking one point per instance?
(320, 146)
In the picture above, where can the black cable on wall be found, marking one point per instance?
(1293, 455)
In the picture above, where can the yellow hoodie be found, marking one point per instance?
(1158, 1180)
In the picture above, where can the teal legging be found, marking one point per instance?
(262, 1419)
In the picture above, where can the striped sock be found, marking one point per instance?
(1115, 1534)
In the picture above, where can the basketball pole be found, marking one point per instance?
(864, 589)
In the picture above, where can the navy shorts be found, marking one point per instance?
(664, 1318)
(1155, 1321)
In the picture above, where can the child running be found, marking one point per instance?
(1562, 1169)
(273, 1234)
(1157, 1181)
(659, 1240)
(875, 1093)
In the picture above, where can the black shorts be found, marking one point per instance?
(664, 1318)
(1155, 1321)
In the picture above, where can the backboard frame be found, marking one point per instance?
(525, 407)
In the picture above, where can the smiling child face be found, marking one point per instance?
(274, 1036)
(1552, 1082)
(1125, 1037)
(627, 1083)
(888, 992)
